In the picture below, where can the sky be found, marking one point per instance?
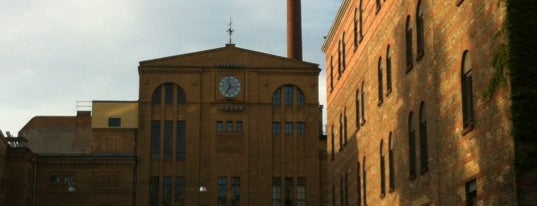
(55, 53)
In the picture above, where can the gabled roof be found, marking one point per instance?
(228, 56)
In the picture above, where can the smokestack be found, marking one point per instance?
(294, 30)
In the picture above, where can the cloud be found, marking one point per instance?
(57, 52)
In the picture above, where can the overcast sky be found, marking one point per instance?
(54, 53)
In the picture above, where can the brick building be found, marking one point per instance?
(423, 108)
(243, 125)
(87, 159)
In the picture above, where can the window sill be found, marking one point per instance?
(469, 127)
(420, 55)
(424, 170)
(408, 67)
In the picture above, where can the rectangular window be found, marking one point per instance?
(155, 140)
(180, 140)
(276, 128)
(471, 193)
(288, 92)
(114, 122)
(219, 126)
(168, 139)
(54, 180)
(235, 191)
(67, 179)
(180, 191)
(167, 190)
(301, 128)
(229, 126)
(222, 191)
(289, 183)
(153, 191)
(239, 127)
(301, 191)
(276, 191)
(288, 128)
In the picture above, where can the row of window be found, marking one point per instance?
(170, 93)
(358, 36)
(163, 134)
(288, 197)
(238, 128)
(177, 197)
(288, 128)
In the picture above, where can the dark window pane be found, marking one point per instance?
(114, 122)
(471, 193)
(153, 191)
(276, 97)
(229, 126)
(168, 140)
(299, 98)
(276, 191)
(235, 191)
(219, 126)
(276, 128)
(180, 140)
(288, 128)
(289, 191)
(288, 92)
(301, 191)
(167, 190)
(155, 140)
(181, 98)
(180, 191)
(239, 127)
(301, 128)
(168, 93)
(157, 95)
(222, 191)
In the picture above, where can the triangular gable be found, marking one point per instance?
(228, 56)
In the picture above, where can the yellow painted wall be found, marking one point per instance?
(103, 110)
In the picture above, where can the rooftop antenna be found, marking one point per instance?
(230, 30)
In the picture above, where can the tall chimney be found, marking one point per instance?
(294, 30)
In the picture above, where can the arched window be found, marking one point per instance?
(382, 170)
(339, 62)
(357, 105)
(276, 97)
(424, 155)
(420, 30)
(388, 70)
(299, 98)
(172, 93)
(363, 103)
(355, 29)
(361, 21)
(391, 162)
(345, 137)
(331, 73)
(467, 94)
(378, 6)
(411, 148)
(408, 44)
(343, 52)
(292, 95)
(380, 83)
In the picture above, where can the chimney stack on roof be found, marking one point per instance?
(294, 30)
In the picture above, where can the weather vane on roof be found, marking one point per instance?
(230, 30)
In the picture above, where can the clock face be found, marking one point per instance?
(229, 86)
